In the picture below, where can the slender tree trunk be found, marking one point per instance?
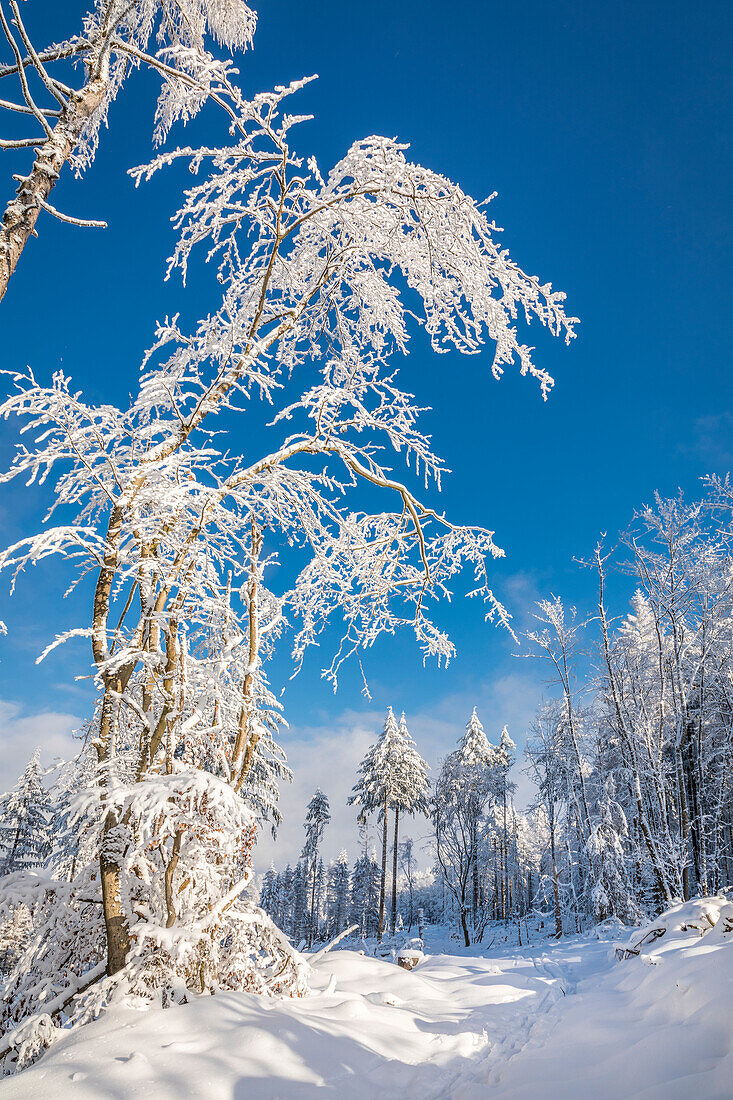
(555, 886)
(311, 930)
(464, 926)
(394, 868)
(506, 855)
(118, 938)
(684, 824)
(20, 217)
(475, 888)
(380, 930)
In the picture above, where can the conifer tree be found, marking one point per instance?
(409, 780)
(339, 894)
(25, 816)
(15, 932)
(478, 757)
(371, 793)
(317, 817)
(269, 893)
(365, 884)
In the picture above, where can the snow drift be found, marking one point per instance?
(567, 1019)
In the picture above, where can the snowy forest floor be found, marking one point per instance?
(553, 1020)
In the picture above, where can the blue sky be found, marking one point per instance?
(607, 131)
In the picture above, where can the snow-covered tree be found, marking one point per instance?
(477, 759)
(505, 756)
(392, 777)
(62, 117)
(609, 890)
(15, 931)
(25, 821)
(320, 281)
(317, 816)
(365, 893)
(546, 766)
(462, 792)
(408, 867)
(409, 791)
(339, 894)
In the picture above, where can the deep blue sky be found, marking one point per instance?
(606, 130)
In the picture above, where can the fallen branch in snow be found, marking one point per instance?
(635, 949)
(341, 936)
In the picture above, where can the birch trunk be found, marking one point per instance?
(21, 215)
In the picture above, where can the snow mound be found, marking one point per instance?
(564, 1021)
(697, 917)
(657, 1025)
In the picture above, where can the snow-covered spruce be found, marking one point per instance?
(392, 777)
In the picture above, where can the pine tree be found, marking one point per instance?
(409, 782)
(392, 775)
(25, 817)
(470, 779)
(317, 817)
(365, 890)
(339, 894)
(299, 922)
(478, 757)
(286, 901)
(15, 932)
(269, 893)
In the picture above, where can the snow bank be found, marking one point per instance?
(369, 1029)
(558, 1020)
(655, 1026)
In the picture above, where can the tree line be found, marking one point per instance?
(630, 755)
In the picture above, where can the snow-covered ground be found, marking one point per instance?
(559, 1020)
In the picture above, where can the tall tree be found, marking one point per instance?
(317, 817)
(466, 785)
(543, 752)
(339, 894)
(479, 757)
(409, 791)
(505, 756)
(318, 283)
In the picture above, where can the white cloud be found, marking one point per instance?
(20, 733)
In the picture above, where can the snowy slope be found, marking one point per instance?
(563, 1020)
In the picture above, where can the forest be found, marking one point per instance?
(254, 499)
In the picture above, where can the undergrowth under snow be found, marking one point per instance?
(558, 1020)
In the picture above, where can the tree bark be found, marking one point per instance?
(311, 928)
(394, 869)
(464, 926)
(555, 886)
(21, 215)
(380, 930)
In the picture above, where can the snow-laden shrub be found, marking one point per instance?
(184, 835)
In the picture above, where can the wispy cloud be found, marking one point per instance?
(711, 441)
